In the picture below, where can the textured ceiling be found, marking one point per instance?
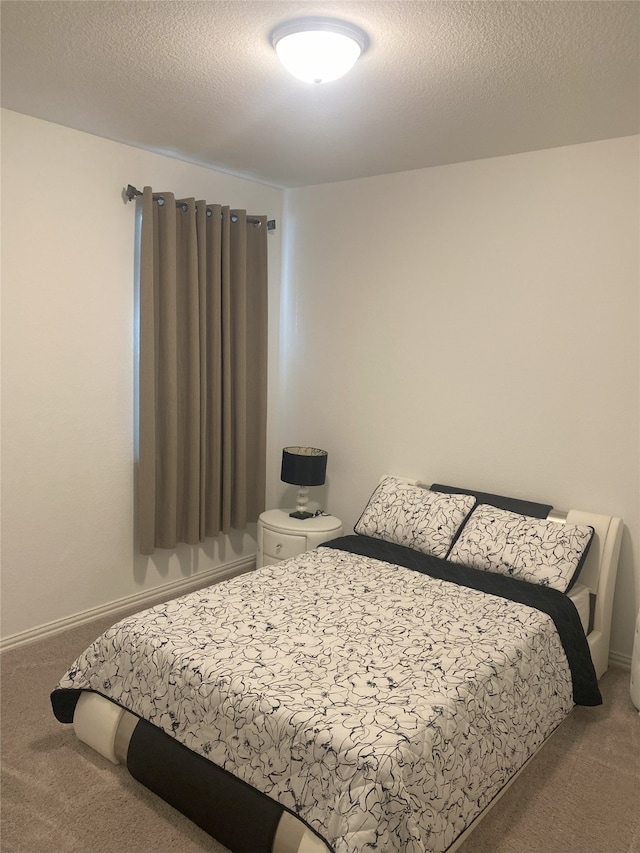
(441, 82)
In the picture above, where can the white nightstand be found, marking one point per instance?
(280, 536)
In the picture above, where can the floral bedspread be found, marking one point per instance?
(384, 707)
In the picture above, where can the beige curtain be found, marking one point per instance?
(202, 370)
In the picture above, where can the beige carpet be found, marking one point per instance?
(581, 794)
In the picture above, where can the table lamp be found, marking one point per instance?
(303, 467)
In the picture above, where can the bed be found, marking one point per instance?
(377, 693)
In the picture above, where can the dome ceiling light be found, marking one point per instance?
(318, 50)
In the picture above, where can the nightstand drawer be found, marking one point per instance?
(282, 545)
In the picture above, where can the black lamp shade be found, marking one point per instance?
(303, 466)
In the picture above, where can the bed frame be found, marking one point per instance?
(153, 757)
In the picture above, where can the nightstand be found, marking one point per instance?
(280, 536)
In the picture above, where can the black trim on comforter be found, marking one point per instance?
(556, 604)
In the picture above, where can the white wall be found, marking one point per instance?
(67, 369)
(475, 324)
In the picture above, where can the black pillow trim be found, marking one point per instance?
(581, 561)
(366, 505)
(419, 485)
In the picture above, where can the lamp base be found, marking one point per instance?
(301, 515)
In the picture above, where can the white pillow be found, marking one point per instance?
(413, 516)
(531, 549)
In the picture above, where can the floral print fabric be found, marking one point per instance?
(413, 516)
(384, 707)
(530, 549)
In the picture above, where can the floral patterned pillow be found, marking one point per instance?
(531, 549)
(413, 516)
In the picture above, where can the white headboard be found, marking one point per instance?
(599, 574)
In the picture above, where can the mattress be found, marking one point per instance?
(383, 705)
(581, 597)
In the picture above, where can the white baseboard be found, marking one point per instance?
(139, 600)
(618, 659)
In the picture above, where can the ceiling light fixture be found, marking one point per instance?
(318, 50)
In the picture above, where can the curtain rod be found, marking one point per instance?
(131, 192)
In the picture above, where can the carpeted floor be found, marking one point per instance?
(580, 794)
